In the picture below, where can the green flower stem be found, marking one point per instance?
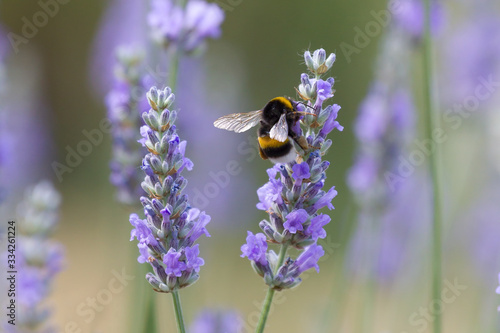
(150, 324)
(178, 312)
(173, 69)
(432, 122)
(270, 293)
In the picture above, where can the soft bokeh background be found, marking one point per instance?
(257, 58)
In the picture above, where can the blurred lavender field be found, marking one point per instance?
(73, 83)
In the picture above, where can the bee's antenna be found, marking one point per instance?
(307, 106)
(303, 112)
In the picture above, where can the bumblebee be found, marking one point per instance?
(275, 134)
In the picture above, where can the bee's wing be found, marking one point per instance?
(239, 122)
(280, 130)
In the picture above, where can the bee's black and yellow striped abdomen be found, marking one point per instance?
(271, 148)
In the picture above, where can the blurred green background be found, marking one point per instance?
(266, 40)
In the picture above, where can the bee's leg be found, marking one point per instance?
(302, 142)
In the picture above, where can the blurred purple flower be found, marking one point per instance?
(410, 17)
(114, 32)
(124, 112)
(38, 257)
(384, 128)
(23, 117)
(217, 321)
(187, 27)
(470, 57)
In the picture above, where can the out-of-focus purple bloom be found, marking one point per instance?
(363, 174)
(115, 32)
(174, 226)
(217, 321)
(165, 19)
(294, 193)
(124, 113)
(372, 119)
(255, 248)
(38, 257)
(476, 39)
(410, 17)
(384, 128)
(203, 21)
(186, 28)
(23, 119)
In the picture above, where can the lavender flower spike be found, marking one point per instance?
(124, 105)
(294, 194)
(168, 234)
(38, 258)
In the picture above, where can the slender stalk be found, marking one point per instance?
(178, 312)
(270, 293)
(148, 302)
(432, 123)
(150, 325)
(173, 69)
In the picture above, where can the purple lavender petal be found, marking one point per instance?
(255, 248)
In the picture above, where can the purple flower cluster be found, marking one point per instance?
(216, 321)
(167, 235)
(294, 193)
(185, 27)
(125, 103)
(38, 258)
